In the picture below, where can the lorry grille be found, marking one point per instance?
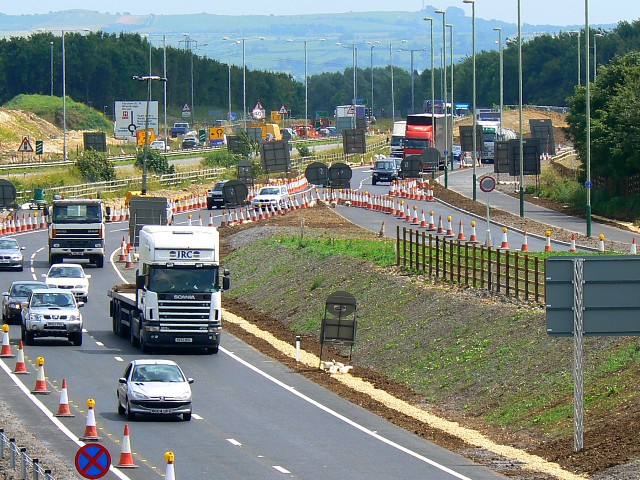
(184, 314)
(80, 233)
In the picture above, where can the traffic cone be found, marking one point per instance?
(211, 219)
(407, 214)
(415, 220)
(63, 407)
(21, 366)
(223, 221)
(449, 232)
(440, 230)
(473, 238)
(123, 251)
(547, 247)
(126, 458)
(170, 473)
(525, 243)
(633, 246)
(6, 346)
(505, 241)
(572, 247)
(41, 382)
(382, 230)
(423, 220)
(601, 244)
(90, 430)
(43, 222)
(189, 220)
(129, 262)
(461, 236)
(432, 224)
(199, 220)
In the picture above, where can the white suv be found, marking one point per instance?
(271, 196)
(51, 312)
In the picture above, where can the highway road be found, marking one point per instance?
(253, 417)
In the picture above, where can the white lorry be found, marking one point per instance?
(175, 302)
(77, 230)
(397, 138)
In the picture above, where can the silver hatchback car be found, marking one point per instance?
(154, 386)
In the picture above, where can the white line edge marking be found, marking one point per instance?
(235, 442)
(196, 416)
(118, 359)
(100, 344)
(281, 469)
(343, 418)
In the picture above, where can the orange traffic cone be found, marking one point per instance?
(415, 220)
(123, 251)
(633, 250)
(90, 431)
(449, 232)
(21, 367)
(432, 224)
(211, 219)
(461, 236)
(473, 238)
(63, 407)
(126, 458)
(41, 382)
(601, 244)
(525, 243)
(547, 247)
(440, 230)
(505, 241)
(170, 473)
(423, 220)
(572, 247)
(6, 346)
(129, 262)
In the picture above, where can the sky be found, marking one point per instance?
(544, 12)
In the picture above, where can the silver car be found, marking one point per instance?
(11, 254)
(154, 386)
(51, 312)
(16, 297)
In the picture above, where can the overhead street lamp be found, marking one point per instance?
(393, 99)
(411, 51)
(444, 84)
(430, 20)
(588, 116)
(51, 45)
(372, 44)
(306, 87)
(595, 55)
(579, 45)
(148, 79)
(354, 62)
(164, 74)
(453, 105)
(521, 143)
(474, 153)
(499, 30)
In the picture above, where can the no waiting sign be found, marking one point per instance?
(93, 460)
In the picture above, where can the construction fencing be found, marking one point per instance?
(514, 274)
(18, 458)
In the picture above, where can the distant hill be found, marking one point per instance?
(283, 46)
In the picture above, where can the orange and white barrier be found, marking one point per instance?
(449, 232)
(572, 247)
(461, 237)
(633, 250)
(473, 237)
(525, 243)
(601, 243)
(170, 473)
(6, 346)
(547, 247)
(504, 245)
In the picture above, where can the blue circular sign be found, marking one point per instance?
(93, 460)
(232, 116)
(588, 184)
(446, 152)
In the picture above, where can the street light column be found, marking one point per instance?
(499, 30)
(521, 143)
(433, 84)
(64, 103)
(444, 84)
(473, 99)
(393, 101)
(51, 45)
(588, 117)
(453, 105)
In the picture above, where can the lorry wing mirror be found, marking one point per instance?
(226, 283)
(140, 282)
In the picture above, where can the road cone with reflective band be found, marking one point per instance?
(449, 232)
(189, 220)
(461, 236)
(211, 219)
(170, 473)
(633, 250)
(43, 222)
(123, 251)
(6, 346)
(415, 220)
(601, 244)
(90, 430)
(572, 247)
(473, 238)
(129, 262)
(41, 382)
(504, 245)
(440, 230)
(547, 247)
(126, 457)
(423, 220)
(63, 407)
(21, 366)
(525, 243)
(432, 224)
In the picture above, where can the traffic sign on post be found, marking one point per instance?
(25, 145)
(186, 111)
(283, 110)
(93, 460)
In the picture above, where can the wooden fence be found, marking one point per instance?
(513, 274)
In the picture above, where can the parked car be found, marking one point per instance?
(271, 196)
(154, 386)
(159, 145)
(51, 312)
(11, 254)
(16, 297)
(215, 198)
(70, 277)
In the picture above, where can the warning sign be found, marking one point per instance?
(186, 111)
(258, 106)
(283, 110)
(352, 110)
(25, 146)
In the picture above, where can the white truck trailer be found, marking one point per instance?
(176, 300)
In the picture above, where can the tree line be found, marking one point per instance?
(99, 67)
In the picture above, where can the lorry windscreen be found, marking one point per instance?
(188, 279)
(417, 143)
(76, 214)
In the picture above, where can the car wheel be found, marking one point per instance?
(4, 318)
(21, 268)
(29, 338)
(85, 299)
(186, 416)
(76, 338)
(374, 181)
(212, 350)
(129, 414)
(23, 336)
(121, 409)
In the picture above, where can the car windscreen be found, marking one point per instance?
(269, 191)
(8, 244)
(385, 165)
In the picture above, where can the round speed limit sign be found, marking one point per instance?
(487, 183)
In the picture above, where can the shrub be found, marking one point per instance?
(96, 167)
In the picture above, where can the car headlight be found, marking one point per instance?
(16, 256)
(74, 318)
(14, 305)
(138, 395)
(36, 317)
(183, 396)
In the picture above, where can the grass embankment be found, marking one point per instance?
(475, 353)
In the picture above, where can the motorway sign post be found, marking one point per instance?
(93, 460)
(487, 185)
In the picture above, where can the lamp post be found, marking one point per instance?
(306, 85)
(188, 41)
(393, 99)
(148, 79)
(473, 96)
(372, 44)
(453, 105)
(444, 84)
(595, 55)
(430, 20)
(411, 51)
(51, 45)
(499, 30)
(588, 117)
(520, 153)
(354, 63)
(579, 79)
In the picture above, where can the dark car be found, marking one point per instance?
(457, 152)
(215, 197)
(189, 143)
(384, 171)
(16, 297)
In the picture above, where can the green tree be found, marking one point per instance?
(96, 167)
(156, 162)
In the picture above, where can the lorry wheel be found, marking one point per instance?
(132, 338)
(100, 261)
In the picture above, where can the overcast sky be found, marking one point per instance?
(550, 12)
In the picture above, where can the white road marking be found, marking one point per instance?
(118, 359)
(233, 441)
(196, 416)
(100, 344)
(281, 469)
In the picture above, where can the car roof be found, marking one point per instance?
(65, 265)
(28, 282)
(153, 361)
(51, 290)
